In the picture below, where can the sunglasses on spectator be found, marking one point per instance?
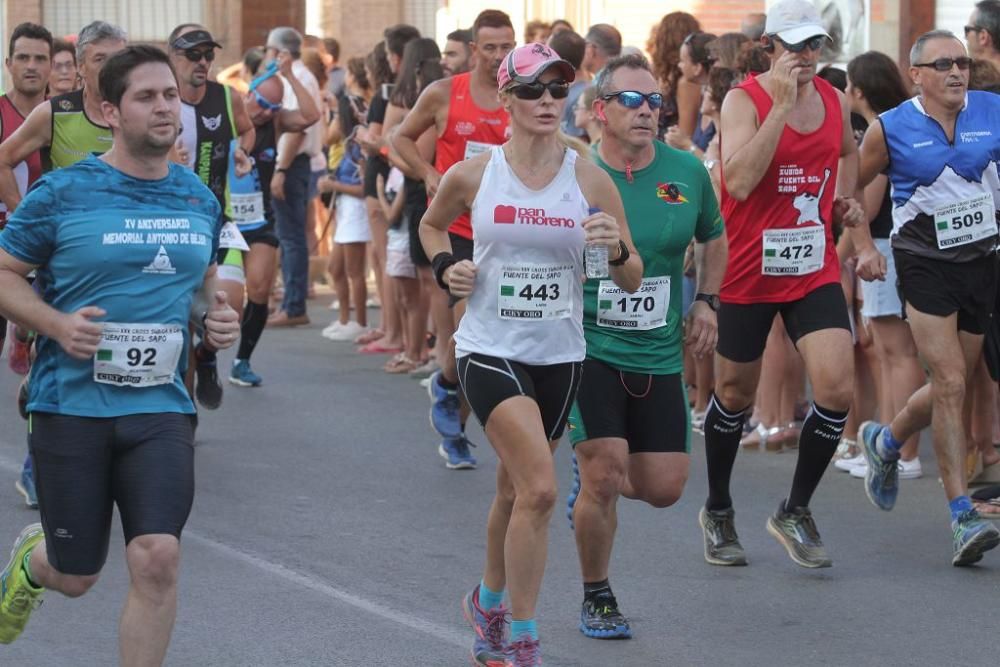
(534, 91)
(945, 64)
(194, 55)
(973, 28)
(631, 99)
(813, 44)
(264, 103)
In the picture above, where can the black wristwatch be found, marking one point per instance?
(622, 255)
(711, 299)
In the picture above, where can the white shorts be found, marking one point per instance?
(399, 265)
(352, 220)
(881, 297)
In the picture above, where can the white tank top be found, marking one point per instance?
(527, 305)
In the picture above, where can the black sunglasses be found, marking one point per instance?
(194, 55)
(973, 28)
(632, 99)
(945, 64)
(813, 43)
(533, 91)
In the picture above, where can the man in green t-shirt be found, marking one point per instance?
(630, 424)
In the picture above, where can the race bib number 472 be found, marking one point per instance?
(793, 252)
(535, 292)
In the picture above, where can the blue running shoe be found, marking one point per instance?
(973, 536)
(457, 454)
(574, 492)
(444, 409)
(243, 376)
(490, 625)
(600, 618)
(882, 477)
(524, 652)
(26, 485)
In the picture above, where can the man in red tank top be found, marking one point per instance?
(469, 118)
(29, 62)
(787, 153)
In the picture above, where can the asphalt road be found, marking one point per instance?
(327, 531)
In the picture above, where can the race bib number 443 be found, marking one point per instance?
(965, 222)
(642, 311)
(138, 355)
(793, 252)
(535, 292)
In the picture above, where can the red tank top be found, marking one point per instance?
(470, 131)
(27, 172)
(796, 195)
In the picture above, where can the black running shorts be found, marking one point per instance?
(649, 411)
(743, 328)
(144, 464)
(489, 381)
(943, 288)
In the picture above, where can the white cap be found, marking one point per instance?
(794, 21)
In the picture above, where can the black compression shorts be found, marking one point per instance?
(489, 381)
(743, 328)
(144, 464)
(649, 411)
(943, 288)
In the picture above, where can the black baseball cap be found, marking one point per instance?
(189, 40)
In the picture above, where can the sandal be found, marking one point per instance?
(369, 337)
(399, 364)
(377, 348)
(763, 438)
(988, 509)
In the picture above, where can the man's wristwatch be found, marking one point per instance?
(711, 299)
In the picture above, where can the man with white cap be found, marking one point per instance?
(788, 160)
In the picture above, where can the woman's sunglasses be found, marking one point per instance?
(534, 91)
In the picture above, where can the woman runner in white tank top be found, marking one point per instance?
(520, 344)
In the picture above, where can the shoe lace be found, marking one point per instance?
(526, 652)
(606, 606)
(496, 625)
(808, 523)
(21, 601)
(726, 529)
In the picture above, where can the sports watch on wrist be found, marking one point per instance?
(711, 299)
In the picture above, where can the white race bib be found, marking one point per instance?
(230, 237)
(965, 222)
(536, 292)
(642, 311)
(138, 355)
(474, 148)
(247, 207)
(793, 252)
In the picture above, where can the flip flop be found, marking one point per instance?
(399, 364)
(369, 337)
(377, 348)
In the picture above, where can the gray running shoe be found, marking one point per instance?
(722, 545)
(796, 531)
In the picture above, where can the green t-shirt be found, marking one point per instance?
(666, 204)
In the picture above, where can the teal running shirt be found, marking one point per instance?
(136, 248)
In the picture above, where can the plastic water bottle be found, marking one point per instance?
(595, 256)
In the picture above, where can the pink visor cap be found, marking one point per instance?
(526, 63)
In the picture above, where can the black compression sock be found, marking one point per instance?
(450, 386)
(254, 320)
(591, 589)
(723, 431)
(203, 354)
(821, 433)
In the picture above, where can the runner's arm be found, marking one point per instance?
(19, 302)
(422, 117)
(847, 170)
(747, 150)
(34, 134)
(458, 190)
(244, 126)
(874, 154)
(601, 193)
(222, 323)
